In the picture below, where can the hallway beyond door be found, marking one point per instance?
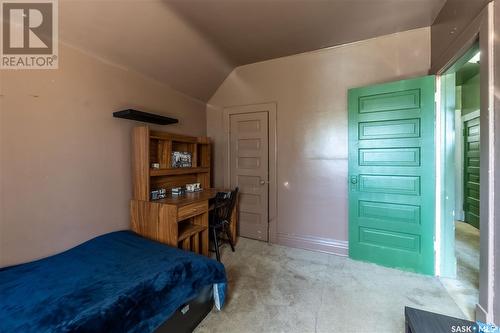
(465, 288)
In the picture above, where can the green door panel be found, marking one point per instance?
(389, 156)
(471, 171)
(392, 174)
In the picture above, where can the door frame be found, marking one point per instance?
(481, 28)
(448, 138)
(271, 109)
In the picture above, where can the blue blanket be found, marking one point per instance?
(118, 282)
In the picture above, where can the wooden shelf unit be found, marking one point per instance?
(179, 222)
(150, 147)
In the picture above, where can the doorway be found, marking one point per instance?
(461, 107)
(251, 166)
(445, 68)
(395, 205)
(249, 170)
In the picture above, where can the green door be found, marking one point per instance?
(471, 171)
(392, 174)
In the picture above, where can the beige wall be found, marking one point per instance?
(310, 90)
(65, 161)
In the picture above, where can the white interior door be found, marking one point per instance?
(249, 170)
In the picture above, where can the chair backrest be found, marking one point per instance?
(232, 202)
(224, 205)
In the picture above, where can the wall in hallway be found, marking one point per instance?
(471, 95)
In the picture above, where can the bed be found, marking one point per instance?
(118, 282)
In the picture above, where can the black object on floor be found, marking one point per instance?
(220, 219)
(187, 317)
(419, 321)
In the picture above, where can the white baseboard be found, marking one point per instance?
(326, 245)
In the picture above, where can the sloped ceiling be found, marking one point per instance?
(146, 36)
(192, 45)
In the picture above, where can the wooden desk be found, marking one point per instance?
(179, 221)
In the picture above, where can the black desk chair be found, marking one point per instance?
(221, 219)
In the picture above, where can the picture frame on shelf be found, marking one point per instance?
(181, 159)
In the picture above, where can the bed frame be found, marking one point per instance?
(187, 317)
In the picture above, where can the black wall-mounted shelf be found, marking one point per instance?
(144, 117)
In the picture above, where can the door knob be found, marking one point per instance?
(354, 181)
(263, 182)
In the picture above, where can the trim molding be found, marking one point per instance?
(326, 245)
(459, 46)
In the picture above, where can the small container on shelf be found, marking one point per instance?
(178, 191)
(158, 194)
(195, 187)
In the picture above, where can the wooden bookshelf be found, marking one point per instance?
(178, 221)
(150, 147)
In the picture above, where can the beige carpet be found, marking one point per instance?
(279, 289)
